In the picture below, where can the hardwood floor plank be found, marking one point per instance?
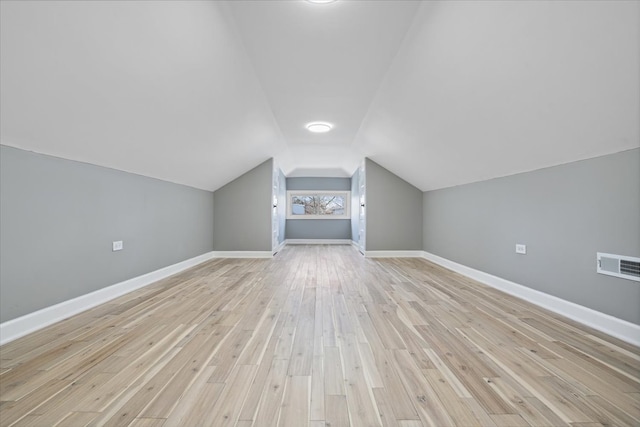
(369, 366)
(527, 407)
(387, 333)
(295, 405)
(383, 405)
(76, 419)
(509, 420)
(98, 398)
(60, 405)
(226, 410)
(622, 364)
(337, 411)
(609, 414)
(318, 335)
(317, 405)
(454, 405)
(360, 401)
(333, 372)
(425, 400)
(401, 402)
(328, 325)
(444, 370)
(131, 395)
(15, 411)
(148, 422)
(589, 374)
(468, 369)
(199, 410)
(264, 370)
(227, 357)
(270, 404)
(259, 341)
(302, 351)
(188, 402)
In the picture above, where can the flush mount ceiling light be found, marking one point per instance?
(321, 1)
(319, 127)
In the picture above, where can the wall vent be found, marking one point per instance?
(625, 267)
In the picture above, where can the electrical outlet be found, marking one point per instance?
(521, 249)
(117, 246)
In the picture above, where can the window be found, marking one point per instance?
(318, 204)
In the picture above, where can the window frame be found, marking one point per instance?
(343, 193)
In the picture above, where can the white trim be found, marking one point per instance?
(622, 329)
(357, 246)
(23, 325)
(279, 247)
(393, 254)
(318, 241)
(243, 254)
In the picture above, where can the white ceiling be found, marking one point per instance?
(440, 93)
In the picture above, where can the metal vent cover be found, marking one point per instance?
(625, 267)
(630, 267)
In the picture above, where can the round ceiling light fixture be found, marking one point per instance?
(319, 127)
(321, 1)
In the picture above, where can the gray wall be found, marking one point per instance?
(58, 219)
(394, 211)
(242, 211)
(355, 208)
(318, 228)
(564, 215)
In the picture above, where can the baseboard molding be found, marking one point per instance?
(393, 254)
(626, 331)
(243, 254)
(318, 241)
(21, 326)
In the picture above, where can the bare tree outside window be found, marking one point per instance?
(319, 205)
(328, 205)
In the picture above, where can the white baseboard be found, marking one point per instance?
(21, 326)
(626, 331)
(318, 241)
(393, 254)
(243, 254)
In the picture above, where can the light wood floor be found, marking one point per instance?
(318, 336)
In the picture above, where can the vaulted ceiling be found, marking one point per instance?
(440, 93)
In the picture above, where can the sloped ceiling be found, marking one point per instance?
(157, 88)
(440, 93)
(486, 89)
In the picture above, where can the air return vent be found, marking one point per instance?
(625, 267)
